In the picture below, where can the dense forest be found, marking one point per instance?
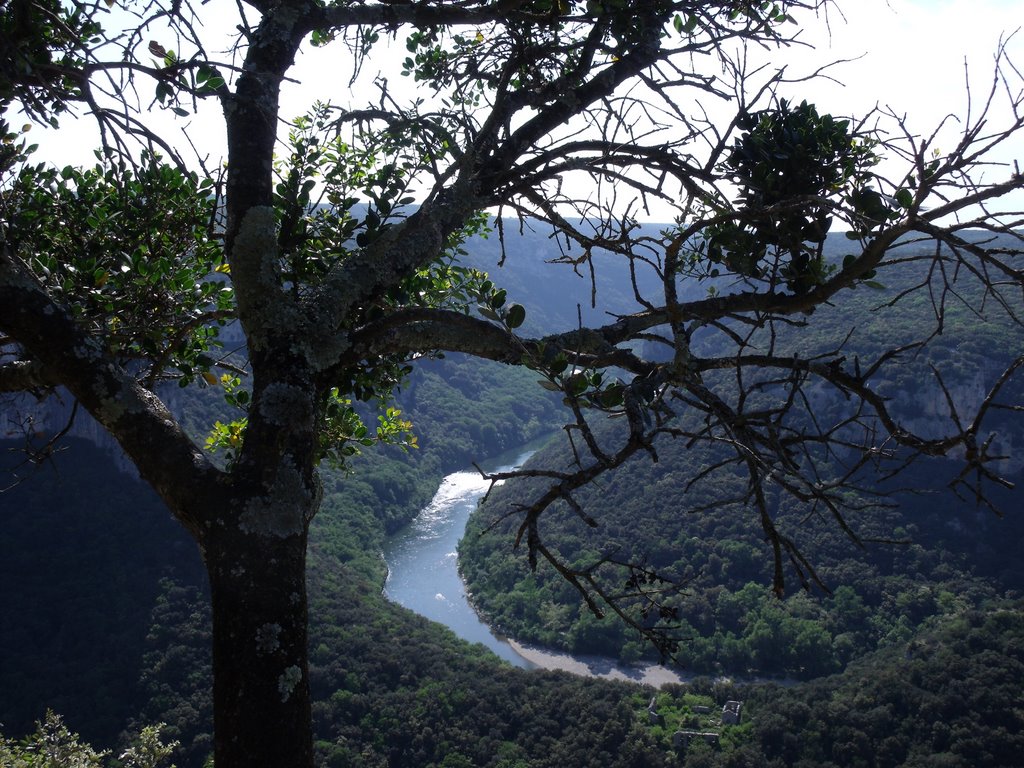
(919, 560)
(914, 656)
(902, 559)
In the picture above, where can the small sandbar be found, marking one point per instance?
(596, 666)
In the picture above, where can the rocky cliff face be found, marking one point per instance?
(923, 408)
(927, 412)
(23, 417)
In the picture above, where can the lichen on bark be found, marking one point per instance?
(282, 512)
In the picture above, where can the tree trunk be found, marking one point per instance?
(261, 699)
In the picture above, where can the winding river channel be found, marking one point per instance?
(423, 576)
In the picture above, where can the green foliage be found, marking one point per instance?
(340, 439)
(176, 670)
(52, 745)
(948, 698)
(317, 234)
(13, 148)
(788, 152)
(42, 45)
(443, 58)
(361, 185)
(178, 78)
(789, 164)
(130, 252)
(344, 431)
(465, 66)
(493, 304)
(148, 750)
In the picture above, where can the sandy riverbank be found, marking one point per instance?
(595, 666)
(648, 674)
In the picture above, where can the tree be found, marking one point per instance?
(54, 746)
(337, 259)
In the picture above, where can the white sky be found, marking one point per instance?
(912, 58)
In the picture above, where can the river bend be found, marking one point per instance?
(423, 576)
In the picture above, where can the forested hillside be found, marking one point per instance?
(904, 558)
(918, 560)
(948, 699)
(82, 555)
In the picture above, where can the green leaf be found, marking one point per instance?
(515, 316)
(163, 91)
(558, 365)
(612, 396)
(576, 384)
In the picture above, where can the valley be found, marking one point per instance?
(914, 656)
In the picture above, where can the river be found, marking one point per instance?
(423, 576)
(422, 559)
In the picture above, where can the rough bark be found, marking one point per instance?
(261, 701)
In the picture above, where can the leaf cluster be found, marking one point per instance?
(132, 253)
(53, 745)
(337, 194)
(791, 166)
(178, 78)
(43, 45)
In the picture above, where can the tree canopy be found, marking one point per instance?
(332, 240)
